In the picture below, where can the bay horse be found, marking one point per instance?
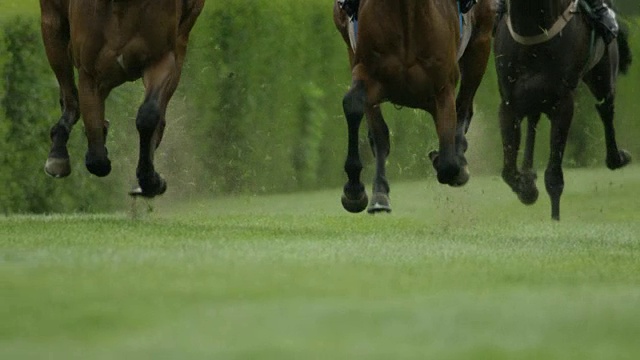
(409, 53)
(542, 49)
(110, 42)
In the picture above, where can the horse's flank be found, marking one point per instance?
(113, 43)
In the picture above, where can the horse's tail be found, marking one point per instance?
(624, 51)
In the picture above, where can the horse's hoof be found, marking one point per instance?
(138, 192)
(98, 165)
(529, 196)
(57, 167)
(379, 203)
(150, 190)
(624, 158)
(462, 178)
(355, 205)
(99, 168)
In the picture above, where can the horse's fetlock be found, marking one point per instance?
(98, 164)
(59, 132)
(447, 171)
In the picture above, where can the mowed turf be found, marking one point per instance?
(465, 273)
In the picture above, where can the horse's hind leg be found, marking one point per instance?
(511, 134)
(379, 137)
(528, 192)
(354, 197)
(161, 80)
(55, 35)
(601, 81)
(615, 158)
(553, 176)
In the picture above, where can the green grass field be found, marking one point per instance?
(452, 274)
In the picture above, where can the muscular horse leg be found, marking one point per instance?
(553, 175)
(354, 197)
(55, 35)
(161, 80)
(510, 129)
(604, 92)
(615, 158)
(473, 64)
(446, 160)
(379, 138)
(528, 192)
(92, 108)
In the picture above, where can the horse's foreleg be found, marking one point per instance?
(379, 138)
(445, 161)
(92, 108)
(510, 130)
(161, 80)
(601, 81)
(55, 35)
(528, 192)
(354, 198)
(553, 176)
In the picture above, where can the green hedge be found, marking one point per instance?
(258, 110)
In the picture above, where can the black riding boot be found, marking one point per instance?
(350, 7)
(501, 9)
(605, 20)
(466, 5)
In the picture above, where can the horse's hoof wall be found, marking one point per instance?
(624, 158)
(433, 156)
(528, 197)
(355, 205)
(160, 189)
(379, 203)
(462, 178)
(57, 167)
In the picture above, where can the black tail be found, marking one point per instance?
(624, 51)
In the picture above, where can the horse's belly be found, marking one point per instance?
(417, 84)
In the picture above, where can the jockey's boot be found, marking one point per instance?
(604, 20)
(466, 5)
(501, 9)
(350, 7)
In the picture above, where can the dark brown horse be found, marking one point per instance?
(538, 72)
(110, 42)
(406, 52)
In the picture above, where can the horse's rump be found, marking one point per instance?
(409, 47)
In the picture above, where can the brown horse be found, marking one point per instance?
(543, 48)
(408, 52)
(110, 42)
